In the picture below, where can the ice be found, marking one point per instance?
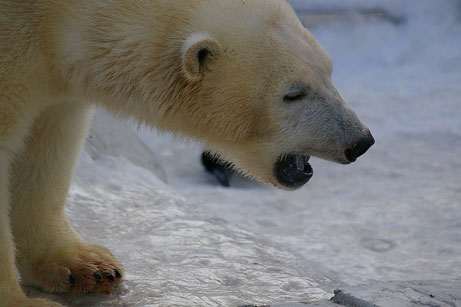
(175, 252)
(396, 213)
(393, 215)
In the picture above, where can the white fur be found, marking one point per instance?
(138, 59)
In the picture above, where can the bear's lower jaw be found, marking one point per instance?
(292, 171)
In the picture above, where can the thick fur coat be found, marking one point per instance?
(243, 77)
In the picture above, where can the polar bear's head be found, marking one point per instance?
(242, 76)
(265, 97)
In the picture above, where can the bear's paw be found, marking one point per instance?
(84, 268)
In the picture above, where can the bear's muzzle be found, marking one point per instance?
(293, 170)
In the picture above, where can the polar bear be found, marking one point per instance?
(243, 77)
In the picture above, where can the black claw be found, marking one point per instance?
(72, 279)
(97, 275)
(117, 273)
(111, 277)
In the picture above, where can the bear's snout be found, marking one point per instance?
(359, 148)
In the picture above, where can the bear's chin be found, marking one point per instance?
(292, 171)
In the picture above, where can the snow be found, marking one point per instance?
(175, 253)
(393, 215)
(407, 293)
(396, 213)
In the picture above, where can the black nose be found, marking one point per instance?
(359, 148)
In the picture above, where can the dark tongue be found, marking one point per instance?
(293, 170)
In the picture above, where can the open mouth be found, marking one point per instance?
(293, 170)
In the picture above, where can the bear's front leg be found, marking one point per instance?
(51, 255)
(13, 128)
(11, 294)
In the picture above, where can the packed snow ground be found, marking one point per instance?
(393, 215)
(396, 213)
(175, 254)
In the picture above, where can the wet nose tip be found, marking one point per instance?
(359, 148)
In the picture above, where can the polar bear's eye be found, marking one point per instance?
(294, 97)
(296, 92)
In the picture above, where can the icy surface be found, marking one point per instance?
(393, 215)
(175, 254)
(396, 213)
(406, 293)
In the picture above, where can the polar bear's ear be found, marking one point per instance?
(197, 51)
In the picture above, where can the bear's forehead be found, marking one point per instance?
(267, 28)
(249, 17)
